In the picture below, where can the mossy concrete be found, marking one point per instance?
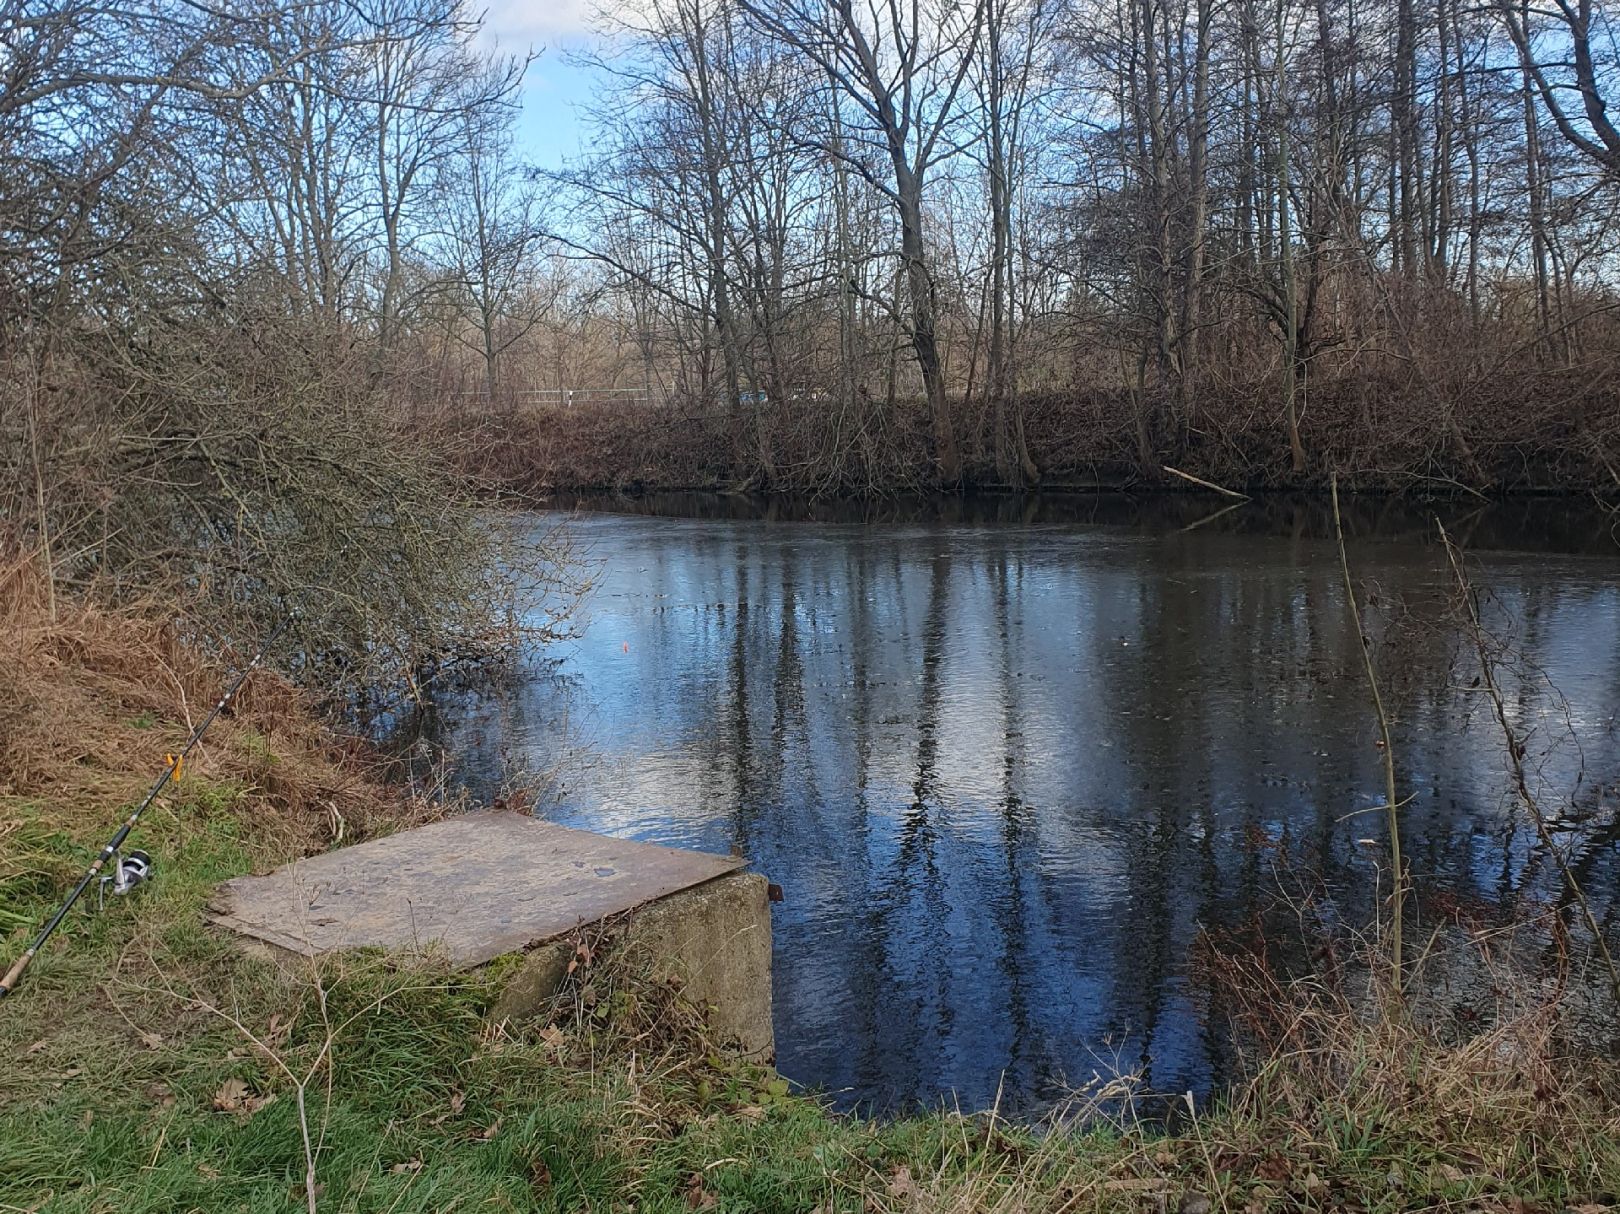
(485, 888)
(714, 939)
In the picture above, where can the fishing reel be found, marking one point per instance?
(128, 870)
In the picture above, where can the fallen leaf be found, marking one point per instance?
(751, 1112)
(230, 1096)
(488, 1134)
(901, 1185)
(206, 1172)
(35, 1048)
(152, 1041)
(582, 957)
(1274, 1167)
(1512, 1205)
(697, 1197)
(553, 1036)
(406, 1165)
(457, 1103)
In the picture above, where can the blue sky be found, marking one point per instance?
(548, 130)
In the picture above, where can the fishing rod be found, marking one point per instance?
(134, 869)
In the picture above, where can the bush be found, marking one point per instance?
(248, 468)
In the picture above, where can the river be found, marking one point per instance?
(1008, 760)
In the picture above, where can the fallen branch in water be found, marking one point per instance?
(1203, 484)
(1210, 518)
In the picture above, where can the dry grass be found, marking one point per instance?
(95, 698)
(1474, 1079)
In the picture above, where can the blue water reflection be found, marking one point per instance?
(1006, 774)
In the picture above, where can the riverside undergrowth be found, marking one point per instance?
(149, 1065)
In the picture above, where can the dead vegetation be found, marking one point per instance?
(1525, 430)
(95, 699)
(1477, 1080)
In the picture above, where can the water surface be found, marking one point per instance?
(1008, 762)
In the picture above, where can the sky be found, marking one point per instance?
(549, 129)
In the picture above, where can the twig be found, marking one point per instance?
(1216, 1188)
(1391, 802)
(1515, 749)
(1203, 484)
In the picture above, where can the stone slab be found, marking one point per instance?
(478, 885)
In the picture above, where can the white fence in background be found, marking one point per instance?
(565, 397)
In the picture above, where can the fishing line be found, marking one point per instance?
(131, 870)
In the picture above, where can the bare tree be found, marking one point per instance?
(901, 66)
(424, 91)
(496, 242)
(188, 225)
(1575, 28)
(1013, 33)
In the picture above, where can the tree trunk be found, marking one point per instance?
(1191, 327)
(1292, 365)
(924, 342)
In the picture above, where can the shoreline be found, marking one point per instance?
(154, 1066)
(1078, 441)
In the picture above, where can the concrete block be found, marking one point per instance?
(715, 938)
(484, 886)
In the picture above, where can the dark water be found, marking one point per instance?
(1008, 761)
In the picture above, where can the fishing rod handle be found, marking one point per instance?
(14, 974)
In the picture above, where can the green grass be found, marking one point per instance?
(127, 1087)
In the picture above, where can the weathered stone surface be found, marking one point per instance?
(487, 885)
(477, 885)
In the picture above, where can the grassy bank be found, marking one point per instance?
(150, 1066)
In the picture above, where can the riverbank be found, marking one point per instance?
(150, 1066)
(1556, 523)
(1520, 433)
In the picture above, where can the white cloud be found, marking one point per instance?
(517, 24)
